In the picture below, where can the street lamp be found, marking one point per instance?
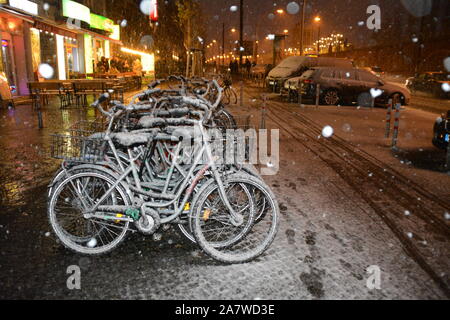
(318, 20)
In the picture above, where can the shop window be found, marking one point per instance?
(48, 51)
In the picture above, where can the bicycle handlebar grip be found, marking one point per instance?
(155, 83)
(104, 97)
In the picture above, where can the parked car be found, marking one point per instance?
(375, 70)
(441, 131)
(430, 82)
(295, 66)
(343, 85)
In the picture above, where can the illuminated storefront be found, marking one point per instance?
(147, 60)
(71, 41)
(14, 30)
(58, 47)
(96, 45)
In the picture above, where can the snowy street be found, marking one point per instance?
(348, 203)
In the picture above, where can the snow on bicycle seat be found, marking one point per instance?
(128, 139)
(177, 112)
(151, 122)
(97, 135)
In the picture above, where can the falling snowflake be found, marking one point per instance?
(92, 243)
(375, 92)
(407, 213)
(327, 132)
(447, 63)
(410, 235)
(234, 8)
(346, 127)
(293, 8)
(46, 70)
(446, 87)
(146, 6)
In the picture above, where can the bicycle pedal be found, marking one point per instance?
(206, 214)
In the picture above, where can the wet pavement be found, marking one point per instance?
(327, 238)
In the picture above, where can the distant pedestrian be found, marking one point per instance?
(248, 66)
(235, 67)
(101, 66)
(137, 67)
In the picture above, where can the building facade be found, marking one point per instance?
(69, 36)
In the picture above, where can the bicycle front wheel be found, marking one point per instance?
(211, 220)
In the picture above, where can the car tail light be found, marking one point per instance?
(307, 81)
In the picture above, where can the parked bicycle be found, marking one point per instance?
(142, 171)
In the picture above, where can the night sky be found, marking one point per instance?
(342, 16)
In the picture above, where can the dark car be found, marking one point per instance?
(345, 86)
(435, 83)
(441, 130)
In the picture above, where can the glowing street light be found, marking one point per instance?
(280, 11)
(317, 20)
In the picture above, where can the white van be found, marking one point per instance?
(296, 65)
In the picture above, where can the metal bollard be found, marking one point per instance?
(317, 95)
(40, 122)
(388, 119)
(300, 95)
(448, 158)
(263, 113)
(241, 100)
(39, 112)
(396, 125)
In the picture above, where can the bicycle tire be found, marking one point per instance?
(62, 235)
(231, 255)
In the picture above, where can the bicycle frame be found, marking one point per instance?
(133, 169)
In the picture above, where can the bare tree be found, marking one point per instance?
(190, 19)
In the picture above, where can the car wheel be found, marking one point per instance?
(401, 97)
(331, 97)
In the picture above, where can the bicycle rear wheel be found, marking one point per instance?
(245, 243)
(72, 198)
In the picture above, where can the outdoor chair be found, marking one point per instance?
(41, 91)
(82, 89)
